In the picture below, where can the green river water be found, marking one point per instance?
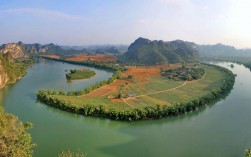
(219, 130)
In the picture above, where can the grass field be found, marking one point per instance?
(149, 88)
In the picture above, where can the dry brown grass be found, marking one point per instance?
(52, 56)
(94, 58)
(140, 73)
(106, 90)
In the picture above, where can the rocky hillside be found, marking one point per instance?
(16, 50)
(12, 70)
(21, 50)
(147, 52)
(3, 76)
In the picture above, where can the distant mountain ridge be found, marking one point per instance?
(21, 50)
(221, 50)
(146, 52)
(105, 48)
(142, 51)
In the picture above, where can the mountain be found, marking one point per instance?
(221, 50)
(21, 50)
(114, 49)
(15, 50)
(146, 52)
(100, 49)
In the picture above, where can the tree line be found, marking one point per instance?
(149, 112)
(105, 66)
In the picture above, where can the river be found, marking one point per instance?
(219, 130)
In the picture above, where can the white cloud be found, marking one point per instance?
(179, 3)
(43, 13)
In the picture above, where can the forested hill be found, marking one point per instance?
(221, 50)
(147, 52)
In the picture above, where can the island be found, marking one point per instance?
(80, 74)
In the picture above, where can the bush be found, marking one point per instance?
(14, 140)
(248, 153)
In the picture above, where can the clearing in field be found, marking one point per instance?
(144, 86)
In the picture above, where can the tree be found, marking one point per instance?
(130, 77)
(119, 95)
(248, 153)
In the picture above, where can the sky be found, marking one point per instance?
(88, 22)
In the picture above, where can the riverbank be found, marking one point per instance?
(11, 71)
(175, 99)
(14, 138)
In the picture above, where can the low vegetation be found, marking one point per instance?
(80, 74)
(14, 140)
(151, 97)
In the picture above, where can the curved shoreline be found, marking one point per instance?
(7, 82)
(148, 112)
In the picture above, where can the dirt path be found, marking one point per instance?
(199, 79)
(127, 103)
(161, 91)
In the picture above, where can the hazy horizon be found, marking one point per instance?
(96, 22)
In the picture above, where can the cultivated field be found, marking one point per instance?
(146, 87)
(93, 58)
(52, 56)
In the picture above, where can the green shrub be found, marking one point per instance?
(14, 140)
